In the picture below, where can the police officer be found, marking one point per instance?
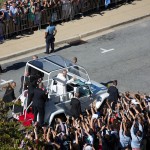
(49, 36)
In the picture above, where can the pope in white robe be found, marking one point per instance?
(61, 84)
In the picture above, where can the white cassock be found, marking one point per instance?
(61, 86)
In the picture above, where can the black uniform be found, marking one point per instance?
(39, 99)
(50, 38)
(31, 86)
(75, 107)
(113, 95)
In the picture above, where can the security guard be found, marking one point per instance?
(49, 36)
(39, 98)
(1, 69)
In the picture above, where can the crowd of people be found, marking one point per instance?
(124, 127)
(122, 123)
(17, 16)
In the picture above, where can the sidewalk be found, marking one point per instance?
(77, 29)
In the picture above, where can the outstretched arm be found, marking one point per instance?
(148, 118)
(132, 130)
(48, 133)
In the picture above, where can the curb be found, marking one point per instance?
(71, 39)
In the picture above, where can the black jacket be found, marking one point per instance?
(75, 107)
(34, 73)
(113, 94)
(9, 95)
(1, 69)
(39, 97)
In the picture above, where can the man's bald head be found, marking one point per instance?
(77, 94)
(64, 72)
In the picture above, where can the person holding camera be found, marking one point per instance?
(50, 37)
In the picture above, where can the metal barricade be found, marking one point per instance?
(59, 12)
(44, 17)
(55, 13)
(85, 6)
(1, 31)
(23, 22)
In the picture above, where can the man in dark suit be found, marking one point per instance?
(113, 94)
(33, 76)
(31, 86)
(39, 99)
(75, 106)
(34, 73)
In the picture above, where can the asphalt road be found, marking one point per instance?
(127, 58)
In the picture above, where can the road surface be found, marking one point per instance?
(123, 55)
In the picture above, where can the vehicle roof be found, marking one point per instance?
(51, 63)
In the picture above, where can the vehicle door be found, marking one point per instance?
(63, 100)
(85, 97)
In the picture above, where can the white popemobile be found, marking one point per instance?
(61, 90)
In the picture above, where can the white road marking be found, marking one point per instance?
(106, 50)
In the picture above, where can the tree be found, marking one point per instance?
(10, 134)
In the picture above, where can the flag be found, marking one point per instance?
(107, 2)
